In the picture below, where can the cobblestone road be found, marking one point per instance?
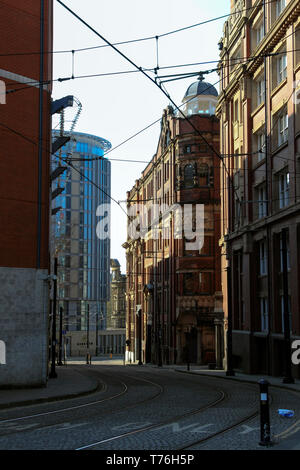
(145, 408)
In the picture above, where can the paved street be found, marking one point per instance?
(148, 408)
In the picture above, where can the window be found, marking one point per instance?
(262, 201)
(261, 146)
(287, 254)
(189, 176)
(260, 33)
(280, 5)
(282, 312)
(284, 184)
(203, 175)
(283, 128)
(187, 149)
(236, 111)
(281, 67)
(260, 91)
(263, 258)
(297, 45)
(264, 315)
(235, 58)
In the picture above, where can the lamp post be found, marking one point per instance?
(140, 363)
(288, 378)
(53, 374)
(60, 336)
(229, 370)
(88, 335)
(97, 319)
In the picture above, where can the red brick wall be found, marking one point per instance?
(19, 135)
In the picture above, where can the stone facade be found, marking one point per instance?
(260, 184)
(24, 326)
(116, 307)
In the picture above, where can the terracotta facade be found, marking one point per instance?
(174, 301)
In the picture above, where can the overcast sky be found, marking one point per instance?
(116, 107)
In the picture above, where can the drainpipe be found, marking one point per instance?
(40, 145)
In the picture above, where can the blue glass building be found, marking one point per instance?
(83, 259)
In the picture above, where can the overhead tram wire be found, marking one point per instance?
(130, 41)
(153, 81)
(239, 60)
(151, 124)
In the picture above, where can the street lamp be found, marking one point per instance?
(140, 363)
(53, 374)
(60, 336)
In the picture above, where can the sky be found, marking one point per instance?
(116, 107)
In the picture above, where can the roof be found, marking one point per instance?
(201, 88)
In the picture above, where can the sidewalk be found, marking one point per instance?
(69, 384)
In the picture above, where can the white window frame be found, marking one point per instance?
(260, 33)
(281, 67)
(264, 314)
(283, 129)
(261, 145)
(284, 187)
(280, 6)
(260, 91)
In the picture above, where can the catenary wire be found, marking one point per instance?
(131, 40)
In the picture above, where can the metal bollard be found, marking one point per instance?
(265, 432)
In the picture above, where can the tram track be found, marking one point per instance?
(222, 396)
(85, 405)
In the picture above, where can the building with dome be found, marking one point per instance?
(174, 301)
(200, 98)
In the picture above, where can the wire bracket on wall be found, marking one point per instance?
(73, 63)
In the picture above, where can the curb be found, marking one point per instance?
(236, 379)
(36, 401)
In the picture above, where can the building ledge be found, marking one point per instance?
(278, 87)
(257, 109)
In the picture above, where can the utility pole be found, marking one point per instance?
(53, 374)
(288, 379)
(60, 336)
(140, 363)
(229, 369)
(97, 319)
(88, 335)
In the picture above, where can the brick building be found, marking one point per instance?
(260, 188)
(174, 301)
(25, 36)
(116, 307)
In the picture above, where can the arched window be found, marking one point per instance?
(189, 176)
(203, 175)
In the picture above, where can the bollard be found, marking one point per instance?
(265, 432)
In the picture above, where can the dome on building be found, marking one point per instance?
(200, 88)
(200, 98)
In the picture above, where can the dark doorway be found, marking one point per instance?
(191, 342)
